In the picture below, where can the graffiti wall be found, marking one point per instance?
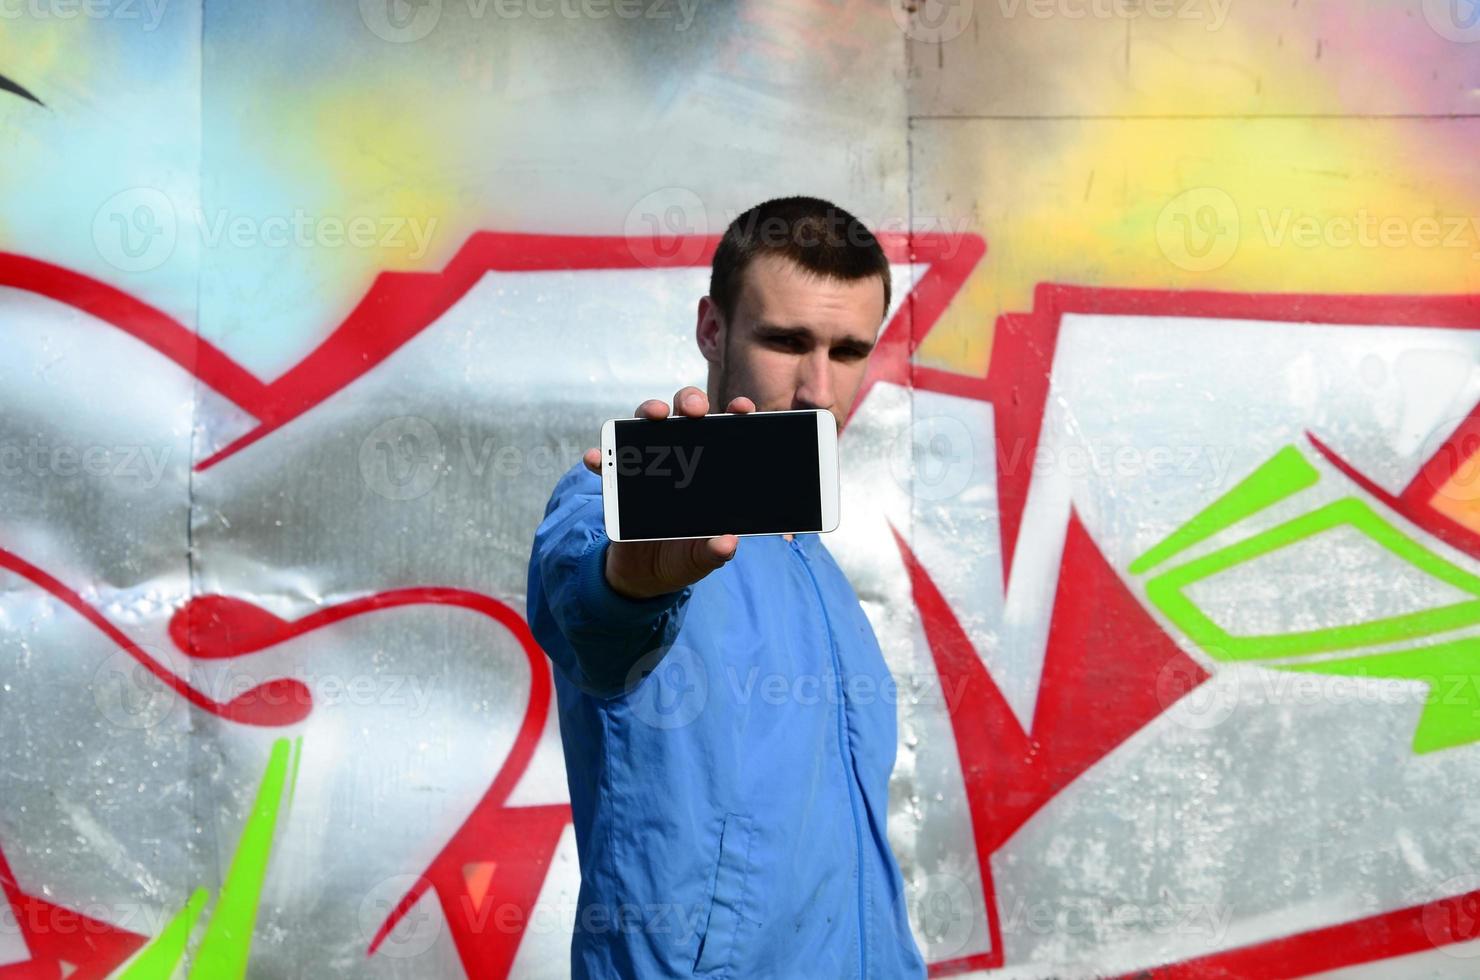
(1161, 494)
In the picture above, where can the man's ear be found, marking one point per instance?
(709, 331)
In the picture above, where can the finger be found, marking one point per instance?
(740, 405)
(592, 459)
(721, 548)
(691, 401)
(653, 408)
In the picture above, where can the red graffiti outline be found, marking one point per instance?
(280, 701)
(397, 307)
(519, 840)
(1023, 345)
(400, 305)
(93, 947)
(1009, 774)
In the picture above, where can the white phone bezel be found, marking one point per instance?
(827, 472)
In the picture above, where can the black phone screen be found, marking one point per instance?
(685, 477)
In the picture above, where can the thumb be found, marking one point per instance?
(721, 549)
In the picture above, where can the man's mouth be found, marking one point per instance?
(15, 88)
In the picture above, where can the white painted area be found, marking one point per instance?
(13, 949)
(1339, 577)
(544, 949)
(544, 781)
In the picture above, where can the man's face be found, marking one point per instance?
(797, 341)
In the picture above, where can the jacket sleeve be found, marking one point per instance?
(594, 635)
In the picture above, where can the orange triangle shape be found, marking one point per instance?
(479, 876)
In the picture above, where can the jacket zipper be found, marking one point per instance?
(846, 755)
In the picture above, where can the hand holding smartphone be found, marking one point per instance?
(642, 569)
(674, 515)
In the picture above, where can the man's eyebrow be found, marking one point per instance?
(778, 332)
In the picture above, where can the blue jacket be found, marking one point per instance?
(728, 749)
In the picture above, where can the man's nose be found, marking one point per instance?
(816, 389)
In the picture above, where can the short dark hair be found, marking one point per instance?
(817, 235)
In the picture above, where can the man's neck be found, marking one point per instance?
(787, 536)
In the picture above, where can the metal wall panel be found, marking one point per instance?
(1168, 527)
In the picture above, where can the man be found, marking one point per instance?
(725, 710)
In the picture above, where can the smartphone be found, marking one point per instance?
(697, 477)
